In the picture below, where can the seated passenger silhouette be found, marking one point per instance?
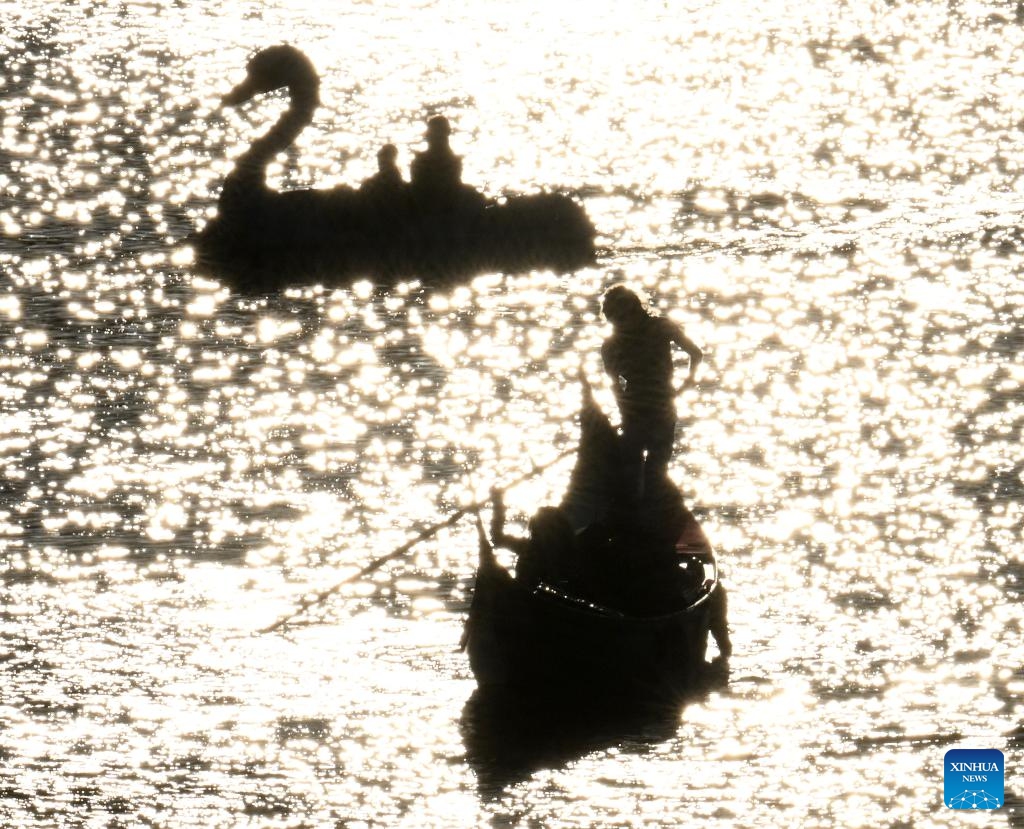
(548, 555)
(435, 175)
(387, 181)
(436, 171)
(638, 358)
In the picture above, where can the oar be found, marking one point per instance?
(402, 549)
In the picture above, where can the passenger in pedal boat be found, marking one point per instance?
(435, 174)
(387, 182)
(437, 170)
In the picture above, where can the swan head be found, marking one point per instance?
(273, 68)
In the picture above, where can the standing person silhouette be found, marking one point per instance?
(638, 358)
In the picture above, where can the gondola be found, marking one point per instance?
(554, 640)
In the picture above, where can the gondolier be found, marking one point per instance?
(638, 358)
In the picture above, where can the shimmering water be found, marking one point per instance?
(826, 195)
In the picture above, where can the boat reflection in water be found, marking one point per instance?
(613, 653)
(508, 735)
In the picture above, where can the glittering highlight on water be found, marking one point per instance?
(827, 197)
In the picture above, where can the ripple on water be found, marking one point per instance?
(825, 198)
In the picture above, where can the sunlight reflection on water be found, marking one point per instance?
(825, 198)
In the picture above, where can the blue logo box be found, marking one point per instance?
(974, 778)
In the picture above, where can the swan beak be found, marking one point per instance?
(240, 94)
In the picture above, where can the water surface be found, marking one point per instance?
(825, 195)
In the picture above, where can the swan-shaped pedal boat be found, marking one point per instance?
(263, 240)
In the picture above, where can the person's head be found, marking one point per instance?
(387, 156)
(620, 305)
(438, 130)
(549, 528)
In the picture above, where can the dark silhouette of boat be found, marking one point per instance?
(264, 240)
(645, 637)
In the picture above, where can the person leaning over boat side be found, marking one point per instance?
(548, 555)
(638, 358)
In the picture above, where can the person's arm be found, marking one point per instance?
(611, 368)
(692, 351)
(498, 536)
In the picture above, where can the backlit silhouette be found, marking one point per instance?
(263, 239)
(387, 183)
(638, 358)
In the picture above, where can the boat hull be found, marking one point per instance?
(538, 640)
(281, 240)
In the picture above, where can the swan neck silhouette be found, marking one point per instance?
(277, 67)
